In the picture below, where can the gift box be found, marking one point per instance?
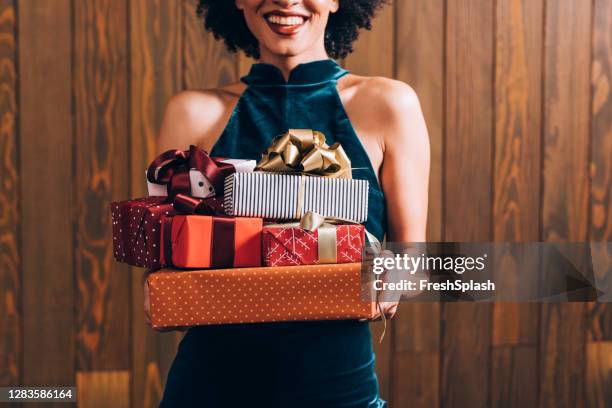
(137, 227)
(290, 244)
(288, 196)
(198, 241)
(200, 186)
(254, 295)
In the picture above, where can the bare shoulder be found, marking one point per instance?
(387, 96)
(384, 107)
(197, 116)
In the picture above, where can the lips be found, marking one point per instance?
(285, 24)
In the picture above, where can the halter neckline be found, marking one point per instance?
(309, 73)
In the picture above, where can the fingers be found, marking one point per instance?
(147, 305)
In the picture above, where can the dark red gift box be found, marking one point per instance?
(136, 227)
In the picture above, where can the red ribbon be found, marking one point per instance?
(174, 166)
(223, 238)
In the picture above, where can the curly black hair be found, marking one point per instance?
(226, 22)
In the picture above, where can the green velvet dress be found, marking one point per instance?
(296, 364)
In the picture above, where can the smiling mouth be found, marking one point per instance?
(285, 25)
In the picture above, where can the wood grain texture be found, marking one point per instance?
(469, 137)
(10, 279)
(566, 136)
(599, 375)
(207, 63)
(516, 197)
(418, 388)
(419, 62)
(565, 210)
(601, 154)
(156, 72)
(514, 380)
(562, 355)
(374, 51)
(101, 130)
(102, 389)
(601, 129)
(46, 139)
(518, 120)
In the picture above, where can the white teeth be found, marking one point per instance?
(287, 21)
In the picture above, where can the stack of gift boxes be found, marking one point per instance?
(235, 241)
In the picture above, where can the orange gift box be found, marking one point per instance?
(201, 241)
(257, 295)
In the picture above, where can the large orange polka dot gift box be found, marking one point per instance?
(257, 295)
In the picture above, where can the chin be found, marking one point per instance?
(286, 50)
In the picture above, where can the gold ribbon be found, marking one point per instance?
(305, 151)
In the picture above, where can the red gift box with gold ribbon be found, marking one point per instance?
(286, 245)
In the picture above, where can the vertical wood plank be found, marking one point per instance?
(419, 388)
(516, 202)
(207, 63)
(10, 278)
(374, 50)
(373, 55)
(518, 119)
(102, 389)
(469, 134)
(513, 377)
(567, 114)
(601, 148)
(565, 190)
(419, 62)
(599, 361)
(155, 44)
(599, 374)
(101, 126)
(601, 144)
(45, 78)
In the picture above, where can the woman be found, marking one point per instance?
(379, 123)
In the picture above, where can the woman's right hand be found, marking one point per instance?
(147, 303)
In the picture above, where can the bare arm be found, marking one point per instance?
(405, 169)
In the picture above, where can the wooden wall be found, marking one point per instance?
(517, 96)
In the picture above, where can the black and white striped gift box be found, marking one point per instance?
(276, 195)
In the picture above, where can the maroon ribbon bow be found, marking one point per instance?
(184, 204)
(174, 166)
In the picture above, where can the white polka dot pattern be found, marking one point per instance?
(136, 230)
(254, 295)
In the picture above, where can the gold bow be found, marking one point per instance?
(305, 151)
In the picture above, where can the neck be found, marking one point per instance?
(286, 63)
